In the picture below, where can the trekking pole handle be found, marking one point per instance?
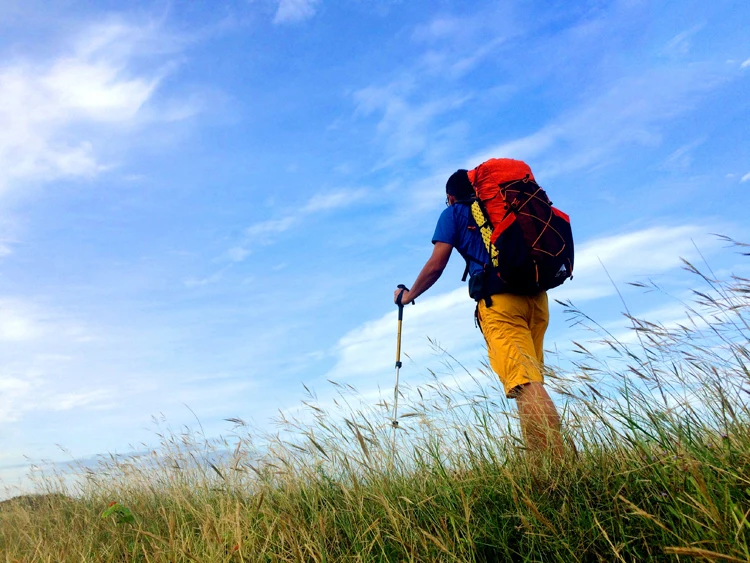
(403, 288)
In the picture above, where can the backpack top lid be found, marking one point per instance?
(498, 171)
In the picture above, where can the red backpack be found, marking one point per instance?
(529, 241)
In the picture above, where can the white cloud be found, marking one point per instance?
(746, 177)
(630, 112)
(647, 252)
(216, 276)
(265, 232)
(47, 106)
(19, 322)
(457, 44)
(14, 393)
(681, 159)
(237, 254)
(262, 233)
(440, 28)
(333, 200)
(290, 11)
(67, 401)
(32, 390)
(22, 321)
(405, 125)
(681, 44)
(746, 64)
(32, 383)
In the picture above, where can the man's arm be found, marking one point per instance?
(430, 273)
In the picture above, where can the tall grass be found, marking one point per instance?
(660, 424)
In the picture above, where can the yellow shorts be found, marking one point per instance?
(514, 329)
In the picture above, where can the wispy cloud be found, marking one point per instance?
(291, 11)
(67, 401)
(613, 112)
(626, 256)
(332, 200)
(52, 110)
(746, 177)
(745, 64)
(630, 112)
(36, 342)
(265, 232)
(14, 391)
(681, 159)
(457, 44)
(31, 390)
(406, 126)
(31, 385)
(24, 321)
(680, 45)
(440, 28)
(19, 321)
(234, 254)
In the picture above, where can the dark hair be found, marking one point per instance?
(459, 186)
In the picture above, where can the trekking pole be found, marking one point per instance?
(394, 422)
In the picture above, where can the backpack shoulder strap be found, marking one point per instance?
(478, 217)
(468, 259)
(485, 229)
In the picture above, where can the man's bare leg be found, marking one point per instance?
(540, 422)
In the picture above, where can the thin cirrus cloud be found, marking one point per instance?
(53, 110)
(458, 44)
(681, 44)
(36, 345)
(29, 390)
(19, 322)
(23, 321)
(292, 11)
(629, 112)
(646, 252)
(405, 126)
(265, 232)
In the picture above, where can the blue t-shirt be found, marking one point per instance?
(453, 228)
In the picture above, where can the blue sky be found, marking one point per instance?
(209, 204)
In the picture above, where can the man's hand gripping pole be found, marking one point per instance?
(403, 288)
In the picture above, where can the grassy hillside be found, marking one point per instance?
(662, 469)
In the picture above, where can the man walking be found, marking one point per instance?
(513, 325)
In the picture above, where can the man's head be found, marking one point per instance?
(458, 186)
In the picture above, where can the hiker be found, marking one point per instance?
(512, 310)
